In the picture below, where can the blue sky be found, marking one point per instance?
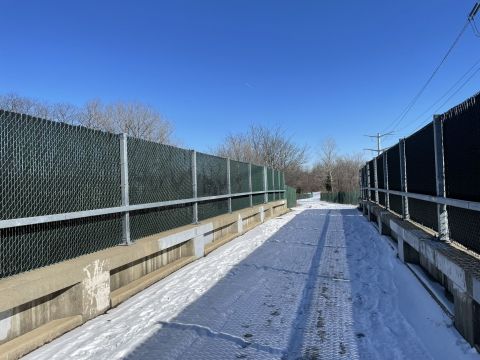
(319, 69)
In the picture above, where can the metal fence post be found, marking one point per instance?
(124, 188)
(279, 194)
(368, 182)
(385, 180)
(265, 183)
(194, 186)
(375, 178)
(250, 183)
(403, 180)
(229, 184)
(362, 183)
(442, 214)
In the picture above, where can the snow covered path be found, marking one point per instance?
(317, 283)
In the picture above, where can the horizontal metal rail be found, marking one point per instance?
(464, 204)
(34, 220)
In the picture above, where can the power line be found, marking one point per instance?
(470, 20)
(444, 95)
(429, 80)
(450, 97)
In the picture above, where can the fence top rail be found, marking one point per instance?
(464, 204)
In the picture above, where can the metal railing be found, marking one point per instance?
(418, 173)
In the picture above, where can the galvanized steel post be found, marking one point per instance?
(403, 180)
(265, 183)
(368, 181)
(229, 184)
(442, 213)
(124, 188)
(375, 179)
(279, 194)
(194, 186)
(385, 179)
(250, 183)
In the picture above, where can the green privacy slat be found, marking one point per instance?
(239, 176)
(51, 168)
(211, 175)
(212, 208)
(29, 247)
(257, 178)
(158, 172)
(152, 221)
(241, 202)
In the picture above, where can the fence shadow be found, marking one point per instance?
(255, 308)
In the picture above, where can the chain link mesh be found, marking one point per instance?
(50, 168)
(421, 178)
(257, 178)
(371, 169)
(461, 134)
(239, 177)
(396, 204)
(381, 179)
(29, 247)
(464, 226)
(240, 202)
(158, 172)
(270, 183)
(211, 181)
(208, 209)
(258, 199)
(239, 183)
(152, 221)
(394, 179)
(211, 175)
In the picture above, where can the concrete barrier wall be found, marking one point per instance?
(457, 270)
(37, 306)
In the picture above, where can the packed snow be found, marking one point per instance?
(316, 283)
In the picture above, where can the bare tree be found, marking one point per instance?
(23, 105)
(328, 155)
(64, 112)
(134, 118)
(265, 146)
(93, 115)
(139, 120)
(334, 172)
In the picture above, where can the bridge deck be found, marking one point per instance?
(317, 283)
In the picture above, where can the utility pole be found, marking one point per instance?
(379, 137)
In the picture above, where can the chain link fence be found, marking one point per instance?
(439, 166)
(68, 190)
(341, 197)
